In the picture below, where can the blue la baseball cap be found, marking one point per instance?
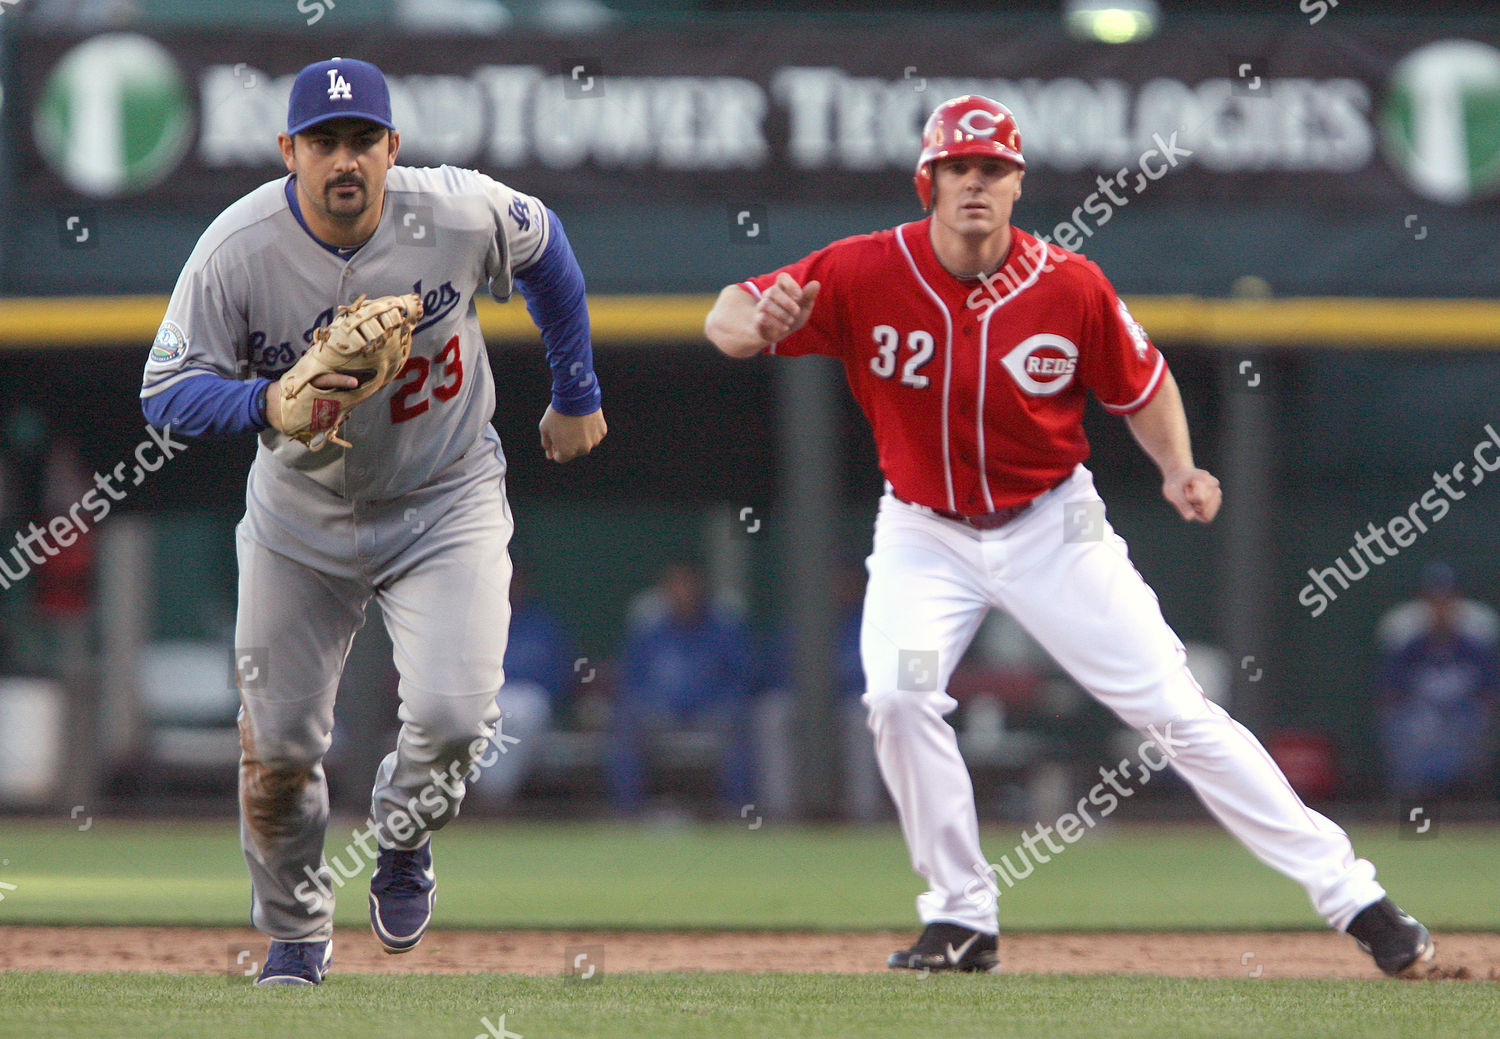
(338, 88)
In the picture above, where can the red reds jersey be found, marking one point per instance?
(975, 388)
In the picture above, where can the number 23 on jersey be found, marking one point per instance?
(411, 397)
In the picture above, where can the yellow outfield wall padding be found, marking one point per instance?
(675, 320)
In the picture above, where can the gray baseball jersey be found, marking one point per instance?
(413, 514)
(257, 287)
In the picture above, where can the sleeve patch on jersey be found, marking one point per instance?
(170, 344)
(1137, 333)
(520, 213)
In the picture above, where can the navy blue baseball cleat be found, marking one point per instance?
(296, 963)
(1398, 943)
(402, 893)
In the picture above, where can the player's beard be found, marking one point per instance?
(350, 208)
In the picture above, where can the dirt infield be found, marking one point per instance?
(1205, 955)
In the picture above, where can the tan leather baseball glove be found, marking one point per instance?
(370, 340)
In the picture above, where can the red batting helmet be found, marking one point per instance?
(968, 125)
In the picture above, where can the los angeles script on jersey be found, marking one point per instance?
(272, 360)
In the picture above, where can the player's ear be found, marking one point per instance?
(288, 151)
(393, 145)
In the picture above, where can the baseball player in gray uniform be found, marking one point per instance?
(412, 512)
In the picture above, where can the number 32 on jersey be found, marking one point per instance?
(919, 347)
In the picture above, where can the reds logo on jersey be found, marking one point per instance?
(1043, 364)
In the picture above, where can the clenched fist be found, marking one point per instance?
(784, 308)
(1195, 493)
(566, 437)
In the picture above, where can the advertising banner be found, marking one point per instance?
(643, 117)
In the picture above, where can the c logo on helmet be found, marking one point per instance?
(966, 124)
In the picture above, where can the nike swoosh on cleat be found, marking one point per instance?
(954, 955)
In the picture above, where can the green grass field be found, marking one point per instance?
(732, 1006)
(775, 876)
(515, 875)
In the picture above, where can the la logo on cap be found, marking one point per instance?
(326, 90)
(338, 87)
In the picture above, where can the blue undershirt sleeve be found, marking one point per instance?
(208, 405)
(555, 297)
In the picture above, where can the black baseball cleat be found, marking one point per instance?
(402, 892)
(949, 947)
(1396, 941)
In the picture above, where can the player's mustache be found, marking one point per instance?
(348, 179)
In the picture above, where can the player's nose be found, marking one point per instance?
(345, 157)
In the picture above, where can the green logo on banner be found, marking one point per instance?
(114, 116)
(1441, 120)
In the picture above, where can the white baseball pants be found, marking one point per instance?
(932, 580)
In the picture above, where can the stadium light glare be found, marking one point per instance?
(1112, 21)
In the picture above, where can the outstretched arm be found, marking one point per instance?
(742, 326)
(1162, 431)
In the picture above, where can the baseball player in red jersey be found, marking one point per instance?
(971, 346)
